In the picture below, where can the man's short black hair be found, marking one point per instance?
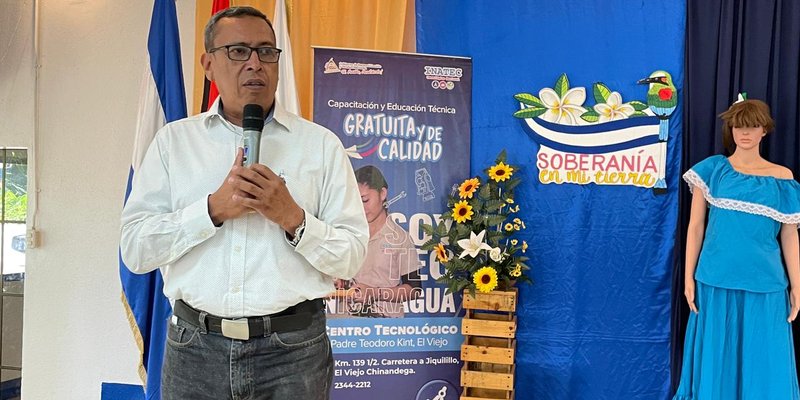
(231, 12)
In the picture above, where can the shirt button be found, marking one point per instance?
(237, 249)
(236, 290)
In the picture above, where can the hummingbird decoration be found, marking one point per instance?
(662, 97)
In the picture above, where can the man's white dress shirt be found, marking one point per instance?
(246, 267)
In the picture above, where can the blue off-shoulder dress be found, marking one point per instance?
(740, 346)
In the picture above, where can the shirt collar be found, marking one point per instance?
(276, 113)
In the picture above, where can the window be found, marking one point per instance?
(13, 212)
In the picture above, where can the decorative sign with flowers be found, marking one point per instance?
(609, 143)
(475, 240)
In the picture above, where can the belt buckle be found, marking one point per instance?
(236, 329)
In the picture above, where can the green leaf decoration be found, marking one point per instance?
(494, 238)
(428, 229)
(511, 184)
(590, 116)
(459, 264)
(524, 279)
(501, 157)
(638, 105)
(530, 112)
(562, 85)
(430, 244)
(485, 191)
(495, 235)
(529, 99)
(496, 220)
(639, 114)
(600, 92)
(494, 205)
(477, 204)
(453, 235)
(441, 229)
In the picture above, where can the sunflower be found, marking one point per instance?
(468, 188)
(500, 172)
(441, 253)
(485, 279)
(462, 212)
(509, 227)
(516, 272)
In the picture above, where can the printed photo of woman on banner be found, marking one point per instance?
(390, 274)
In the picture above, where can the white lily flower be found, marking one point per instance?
(473, 245)
(565, 110)
(496, 254)
(613, 108)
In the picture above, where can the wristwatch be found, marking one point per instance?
(298, 232)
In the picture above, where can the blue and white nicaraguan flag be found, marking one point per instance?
(162, 99)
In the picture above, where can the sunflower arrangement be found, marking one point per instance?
(475, 239)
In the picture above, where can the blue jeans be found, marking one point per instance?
(291, 365)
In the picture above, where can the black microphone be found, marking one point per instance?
(253, 124)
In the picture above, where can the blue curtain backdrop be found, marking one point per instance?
(736, 46)
(596, 324)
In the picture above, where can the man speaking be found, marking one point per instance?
(248, 248)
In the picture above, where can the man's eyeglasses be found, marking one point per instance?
(238, 52)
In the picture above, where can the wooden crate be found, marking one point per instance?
(488, 349)
(492, 325)
(485, 394)
(495, 300)
(488, 376)
(489, 328)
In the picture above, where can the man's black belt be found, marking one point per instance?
(291, 319)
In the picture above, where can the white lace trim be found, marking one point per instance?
(693, 180)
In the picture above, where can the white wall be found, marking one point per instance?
(92, 58)
(16, 73)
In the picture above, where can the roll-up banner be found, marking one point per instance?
(404, 120)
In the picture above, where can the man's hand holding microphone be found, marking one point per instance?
(250, 186)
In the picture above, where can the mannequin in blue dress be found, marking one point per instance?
(738, 340)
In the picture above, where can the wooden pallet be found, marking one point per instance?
(489, 328)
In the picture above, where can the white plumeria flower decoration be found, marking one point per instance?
(565, 110)
(473, 245)
(496, 254)
(613, 109)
